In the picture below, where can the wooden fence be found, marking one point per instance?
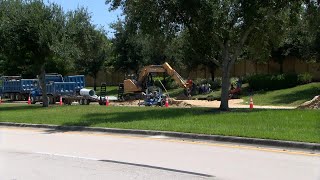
(290, 65)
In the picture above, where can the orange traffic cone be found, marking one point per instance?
(107, 101)
(251, 103)
(60, 102)
(29, 100)
(167, 102)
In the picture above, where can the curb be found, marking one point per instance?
(231, 139)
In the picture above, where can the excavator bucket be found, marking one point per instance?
(131, 85)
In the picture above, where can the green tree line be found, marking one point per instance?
(37, 38)
(214, 33)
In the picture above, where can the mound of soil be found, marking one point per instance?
(179, 103)
(313, 104)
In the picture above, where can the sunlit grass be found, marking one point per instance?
(293, 125)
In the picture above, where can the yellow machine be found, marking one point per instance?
(139, 85)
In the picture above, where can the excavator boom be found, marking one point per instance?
(132, 86)
(173, 73)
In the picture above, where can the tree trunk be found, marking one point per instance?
(224, 105)
(42, 80)
(227, 63)
(95, 82)
(212, 72)
(281, 67)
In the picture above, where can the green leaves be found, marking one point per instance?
(33, 34)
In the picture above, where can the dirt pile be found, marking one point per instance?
(172, 102)
(126, 103)
(179, 103)
(313, 104)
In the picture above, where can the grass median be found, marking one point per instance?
(292, 125)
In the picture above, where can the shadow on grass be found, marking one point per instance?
(93, 119)
(129, 119)
(302, 95)
(19, 107)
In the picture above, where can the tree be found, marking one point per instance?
(92, 43)
(311, 46)
(126, 52)
(33, 33)
(197, 50)
(97, 55)
(226, 24)
(102, 46)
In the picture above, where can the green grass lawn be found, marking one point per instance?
(293, 125)
(286, 97)
(283, 97)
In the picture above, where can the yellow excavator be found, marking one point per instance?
(132, 86)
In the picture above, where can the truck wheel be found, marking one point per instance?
(162, 103)
(18, 97)
(68, 102)
(12, 97)
(52, 100)
(33, 100)
(87, 101)
(81, 101)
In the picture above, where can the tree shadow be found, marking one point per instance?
(238, 110)
(292, 97)
(93, 119)
(102, 119)
(19, 107)
(158, 168)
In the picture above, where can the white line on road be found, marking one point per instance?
(67, 156)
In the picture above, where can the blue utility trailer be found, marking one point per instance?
(68, 88)
(16, 88)
(78, 79)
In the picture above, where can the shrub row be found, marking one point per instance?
(274, 82)
(256, 81)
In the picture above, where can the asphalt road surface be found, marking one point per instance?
(46, 154)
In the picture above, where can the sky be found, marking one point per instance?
(101, 16)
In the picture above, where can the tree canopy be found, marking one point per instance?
(37, 38)
(221, 31)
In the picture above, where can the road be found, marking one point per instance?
(27, 153)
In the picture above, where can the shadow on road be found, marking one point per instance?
(160, 168)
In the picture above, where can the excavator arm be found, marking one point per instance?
(173, 73)
(136, 86)
(150, 69)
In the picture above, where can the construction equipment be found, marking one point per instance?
(133, 86)
(103, 89)
(69, 88)
(154, 96)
